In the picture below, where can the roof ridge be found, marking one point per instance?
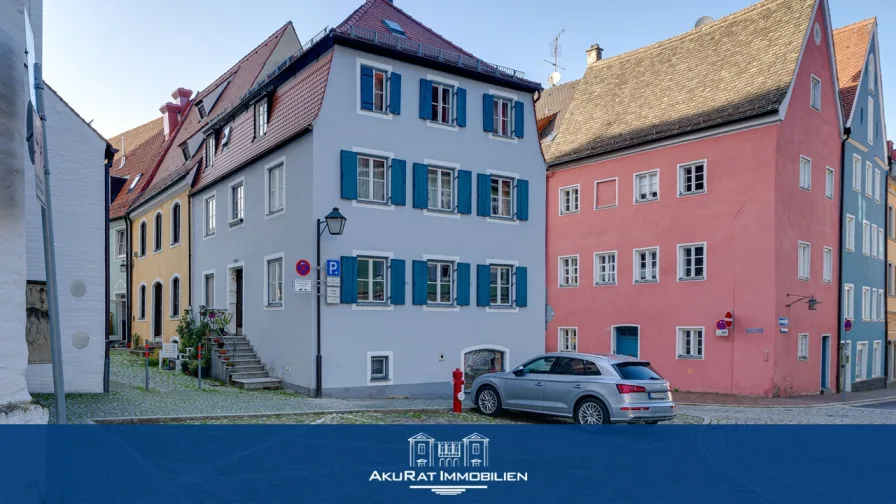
(437, 34)
(357, 13)
(690, 33)
(872, 19)
(135, 128)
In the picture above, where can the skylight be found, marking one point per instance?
(134, 183)
(394, 28)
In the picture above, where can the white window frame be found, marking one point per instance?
(498, 115)
(875, 299)
(511, 301)
(376, 66)
(267, 302)
(562, 269)
(850, 233)
(636, 265)
(262, 117)
(877, 185)
(141, 301)
(142, 238)
(804, 271)
(869, 179)
(861, 364)
(205, 277)
(440, 85)
(827, 262)
(210, 150)
(172, 314)
(891, 222)
(875, 359)
(389, 368)
(849, 299)
(563, 340)
(180, 225)
(857, 173)
(370, 258)
(209, 231)
(387, 164)
(805, 174)
(615, 196)
(802, 347)
(121, 243)
(232, 220)
(452, 293)
(870, 120)
(681, 266)
(603, 278)
(815, 93)
(279, 164)
(874, 241)
(891, 281)
(881, 306)
(157, 234)
(866, 304)
(680, 343)
(829, 183)
(681, 176)
(573, 191)
(636, 186)
(880, 243)
(385, 90)
(866, 238)
(453, 203)
(511, 181)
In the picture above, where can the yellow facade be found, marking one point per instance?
(160, 280)
(891, 279)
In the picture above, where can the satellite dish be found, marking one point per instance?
(704, 20)
(554, 78)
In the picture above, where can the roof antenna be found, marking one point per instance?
(554, 78)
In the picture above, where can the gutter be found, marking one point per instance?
(106, 207)
(189, 248)
(127, 271)
(840, 314)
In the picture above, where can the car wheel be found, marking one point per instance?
(488, 402)
(652, 422)
(591, 412)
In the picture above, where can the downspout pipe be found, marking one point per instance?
(841, 314)
(109, 154)
(127, 272)
(189, 249)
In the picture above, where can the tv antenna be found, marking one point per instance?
(554, 78)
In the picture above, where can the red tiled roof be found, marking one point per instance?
(294, 107)
(243, 75)
(851, 47)
(371, 15)
(143, 145)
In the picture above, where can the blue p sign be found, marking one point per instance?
(332, 268)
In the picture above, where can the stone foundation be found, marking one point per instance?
(23, 413)
(870, 384)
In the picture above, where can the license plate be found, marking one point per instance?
(657, 395)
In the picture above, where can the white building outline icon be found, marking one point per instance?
(425, 451)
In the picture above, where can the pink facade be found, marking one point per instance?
(750, 220)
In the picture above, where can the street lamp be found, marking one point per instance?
(335, 224)
(810, 300)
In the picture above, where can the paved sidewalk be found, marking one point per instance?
(707, 399)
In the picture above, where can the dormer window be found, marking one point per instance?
(871, 78)
(123, 160)
(261, 117)
(185, 150)
(134, 183)
(394, 28)
(201, 108)
(210, 150)
(225, 138)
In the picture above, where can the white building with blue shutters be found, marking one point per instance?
(442, 258)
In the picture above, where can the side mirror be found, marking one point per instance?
(519, 371)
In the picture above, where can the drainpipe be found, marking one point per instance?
(189, 248)
(127, 272)
(108, 276)
(887, 268)
(840, 314)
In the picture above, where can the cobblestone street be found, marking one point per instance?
(173, 394)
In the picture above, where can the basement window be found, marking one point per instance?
(394, 27)
(134, 183)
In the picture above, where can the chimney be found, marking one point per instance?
(890, 152)
(595, 53)
(181, 97)
(171, 114)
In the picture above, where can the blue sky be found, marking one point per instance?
(117, 61)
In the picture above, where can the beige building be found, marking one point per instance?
(891, 278)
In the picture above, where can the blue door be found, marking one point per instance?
(627, 341)
(825, 352)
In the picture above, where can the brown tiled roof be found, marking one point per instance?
(555, 100)
(731, 69)
(294, 107)
(851, 47)
(371, 14)
(143, 145)
(242, 76)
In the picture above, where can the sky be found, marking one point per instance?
(117, 61)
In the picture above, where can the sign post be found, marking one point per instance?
(199, 368)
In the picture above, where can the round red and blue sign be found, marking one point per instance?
(303, 267)
(847, 325)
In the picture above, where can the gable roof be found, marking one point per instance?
(851, 48)
(737, 67)
(293, 108)
(141, 147)
(554, 101)
(241, 76)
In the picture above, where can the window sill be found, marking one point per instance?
(503, 220)
(803, 279)
(604, 284)
(449, 127)
(689, 357)
(435, 307)
(206, 237)
(695, 193)
(646, 282)
(502, 309)
(803, 359)
(568, 286)
(277, 306)
(237, 223)
(373, 205)
(509, 139)
(806, 189)
(172, 245)
(694, 279)
(831, 197)
(441, 213)
(371, 113)
(154, 252)
(571, 212)
(275, 213)
(372, 307)
(605, 207)
(850, 249)
(651, 200)
(387, 381)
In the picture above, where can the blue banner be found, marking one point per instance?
(440, 463)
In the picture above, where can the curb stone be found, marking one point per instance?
(182, 418)
(861, 402)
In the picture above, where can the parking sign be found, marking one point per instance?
(333, 267)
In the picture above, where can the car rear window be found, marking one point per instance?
(637, 371)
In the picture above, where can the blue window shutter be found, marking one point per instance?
(399, 182)
(349, 175)
(483, 273)
(464, 192)
(348, 289)
(522, 199)
(519, 119)
(488, 113)
(463, 284)
(419, 297)
(395, 93)
(397, 274)
(462, 107)
(483, 195)
(366, 88)
(522, 287)
(421, 194)
(425, 99)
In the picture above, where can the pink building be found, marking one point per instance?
(698, 176)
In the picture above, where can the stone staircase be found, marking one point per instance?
(246, 370)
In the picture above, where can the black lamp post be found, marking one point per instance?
(810, 300)
(335, 223)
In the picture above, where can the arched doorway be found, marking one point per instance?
(482, 359)
(157, 308)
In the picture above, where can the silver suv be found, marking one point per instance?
(590, 388)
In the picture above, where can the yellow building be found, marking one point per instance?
(891, 279)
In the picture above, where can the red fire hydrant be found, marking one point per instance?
(458, 390)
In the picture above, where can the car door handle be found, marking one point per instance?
(578, 385)
(538, 384)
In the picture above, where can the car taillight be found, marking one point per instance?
(629, 389)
